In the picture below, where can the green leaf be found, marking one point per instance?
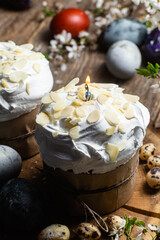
(148, 24)
(48, 13)
(46, 56)
(140, 223)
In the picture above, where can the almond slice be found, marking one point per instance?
(113, 151)
(74, 132)
(59, 105)
(102, 99)
(131, 98)
(55, 96)
(57, 115)
(78, 102)
(125, 106)
(94, 116)
(42, 119)
(121, 128)
(118, 90)
(70, 98)
(28, 46)
(36, 67)
(117, 101)
(27, 88)
(17, 76)
(81, 111)
(20, 64)
(4, 83)
(122, 145)
(71, 84)
(91, 102)
(75, 121)
(46, 99)
(111, 116)
(129, 112)
(110, 131)
(59, 90)
(67, 111)
(106, 85)
(55, 133)
(6, 69)
(35, 56)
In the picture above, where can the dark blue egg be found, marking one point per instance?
(123, 29)
(151, 47)
(18, 4)
(21, 207)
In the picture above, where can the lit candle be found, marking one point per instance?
(88, 93)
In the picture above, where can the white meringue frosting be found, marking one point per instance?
(92, 136)
(25, 77)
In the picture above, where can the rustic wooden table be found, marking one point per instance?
(27, 26)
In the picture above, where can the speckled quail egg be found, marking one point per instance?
(55, 232)
(146, 151)
(123, 58)
(153, 161)
(114, 223)
(153, 178)
(87, 231)
(10, 163)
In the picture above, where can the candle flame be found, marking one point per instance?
(88, 79)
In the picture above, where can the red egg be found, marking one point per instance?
(72, 20)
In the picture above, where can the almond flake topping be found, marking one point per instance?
(35, 56)
(42, 119)
(102, 99)
(121, 128)
(78, 102)
(67, 111)
(111, 116)
(46, 99)
(4, 83)
(55, 133)
(27, 46)
(74, 132)
(17, 76)
(27, 88)
(131, 98)
(113, 151)
(110, 131)
(6, 69)
(20, 64)
(59, 105)
(36, 67)
(129, 112)
(94, 116)
(81, 111)
(55, 96)
(71, 84)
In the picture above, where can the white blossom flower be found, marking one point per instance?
(83, 34)
(99, 3)
(64, 37)
(63, 67)
(44, 3)
(53, 44)
(100, 21)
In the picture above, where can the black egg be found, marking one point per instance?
(21, 207)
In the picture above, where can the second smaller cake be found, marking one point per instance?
(25, 77)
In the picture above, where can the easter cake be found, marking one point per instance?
(89, 145)
(25, 77)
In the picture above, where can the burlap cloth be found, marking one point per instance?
(104, 193)
(19, 134)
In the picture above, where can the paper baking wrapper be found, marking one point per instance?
(103, 193)
(18, 133)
